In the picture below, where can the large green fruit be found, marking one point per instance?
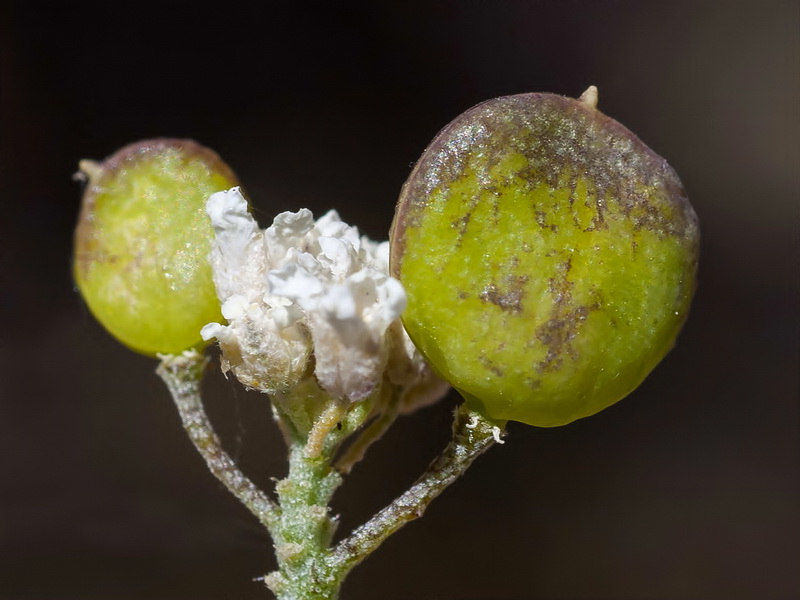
(142, 243)
(548, 255)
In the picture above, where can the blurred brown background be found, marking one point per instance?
(687, 489)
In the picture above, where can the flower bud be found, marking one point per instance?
(548, 257)
(142, 243)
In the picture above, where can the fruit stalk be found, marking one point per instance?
(472, 436)
(183, 374)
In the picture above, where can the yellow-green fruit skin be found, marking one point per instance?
(143, 240)
(548, 255)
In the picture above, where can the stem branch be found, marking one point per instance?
(472, 436)
(182, 374)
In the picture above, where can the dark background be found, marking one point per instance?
(687, 489)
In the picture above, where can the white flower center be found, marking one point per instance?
(302, 287)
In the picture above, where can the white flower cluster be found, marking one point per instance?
(304, 288)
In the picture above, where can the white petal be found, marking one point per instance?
(287, 231)
(237, 256)
(340, 256)
(234, 307)
(211, 331)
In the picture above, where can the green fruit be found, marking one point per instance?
(548, 255)
(142, 243)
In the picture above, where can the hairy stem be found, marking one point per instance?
(183, 375)
(305, 529)
(303, 535)
(302, 527)
(472, 436)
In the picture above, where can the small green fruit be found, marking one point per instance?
(142, 242)
(548, 255)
